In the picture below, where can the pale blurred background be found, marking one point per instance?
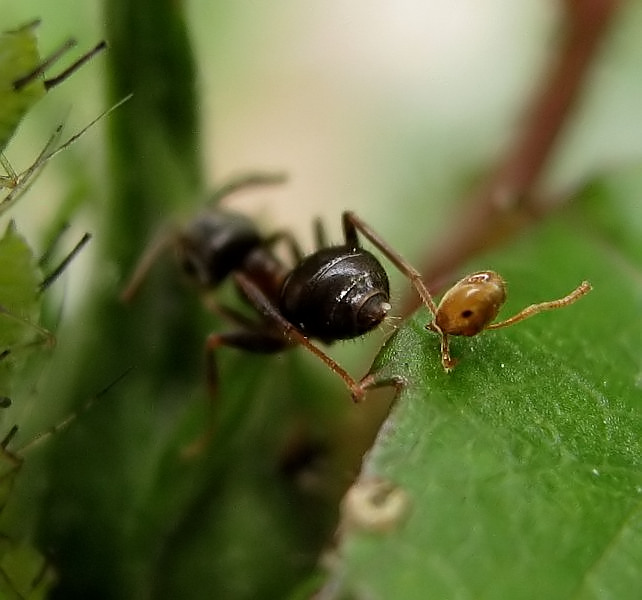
(366, 105)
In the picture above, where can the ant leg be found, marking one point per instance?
(372, 382)
(161, 241)
(267, 342)
(246, 181)
(293, 336)
(320, 234)
(258, 340)
(289, 240)
(533, 309)
(228, 313)
(352, 224)
(447, 362)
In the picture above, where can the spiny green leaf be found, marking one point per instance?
(22, 84)
(19, 277)
(19, 56)
(19, 301)
(524, 465)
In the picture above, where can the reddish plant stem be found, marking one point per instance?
(506, 202)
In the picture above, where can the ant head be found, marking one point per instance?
(471, 304)
(215, 244)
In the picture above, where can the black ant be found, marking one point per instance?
(336, 293)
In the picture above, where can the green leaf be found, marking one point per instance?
(155, 171)
(22, 84)
(19, 57)
(19, 278)
(523, 466)
(19, 301)
(25, 573)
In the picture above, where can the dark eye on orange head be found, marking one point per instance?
(472, 304)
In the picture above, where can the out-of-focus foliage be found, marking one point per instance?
(19, 301)
(19, 57)
(124, 514)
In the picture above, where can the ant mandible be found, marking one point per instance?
(335, 293)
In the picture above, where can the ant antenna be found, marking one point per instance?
(161, 242)
(246, 181)
(582, 289)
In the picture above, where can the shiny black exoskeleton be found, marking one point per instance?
(215, 244)
(335, 293)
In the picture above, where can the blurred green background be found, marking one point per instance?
(394, 111)
(364, 105)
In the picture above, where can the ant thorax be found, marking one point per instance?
(215, 244)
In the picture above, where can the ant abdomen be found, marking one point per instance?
(336, 293)
(215, 244)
